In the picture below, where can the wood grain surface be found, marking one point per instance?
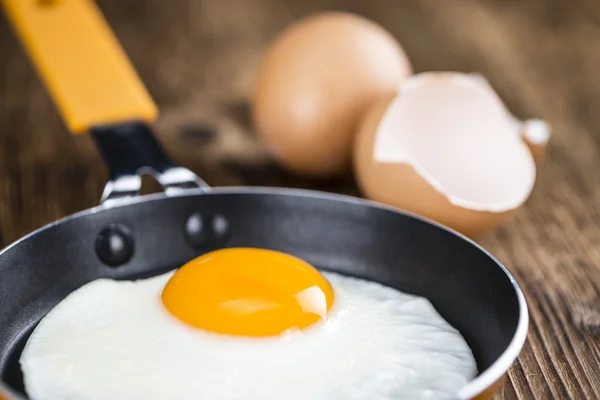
(198, 58)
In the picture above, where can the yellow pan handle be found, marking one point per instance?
(81, 62)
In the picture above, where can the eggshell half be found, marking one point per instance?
(445, 147)
(316, 81)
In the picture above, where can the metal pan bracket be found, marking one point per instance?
(130, 150)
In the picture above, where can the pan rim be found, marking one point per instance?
(486, 379)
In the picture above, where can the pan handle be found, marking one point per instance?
(97, 90)
(81, 62)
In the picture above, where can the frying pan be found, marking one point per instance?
(130, 236)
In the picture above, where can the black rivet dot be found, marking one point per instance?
(206, 231)
(220, 227)
(114, 245)
(195, 231)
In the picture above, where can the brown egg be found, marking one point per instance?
(314, 83)
(447, 150)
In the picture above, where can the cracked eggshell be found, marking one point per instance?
(445, 147)
(313, 84)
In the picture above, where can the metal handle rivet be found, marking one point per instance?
(206, 231)
(114, 245)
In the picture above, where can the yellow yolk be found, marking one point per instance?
(248, 292)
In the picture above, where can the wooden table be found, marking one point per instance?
(198, 57)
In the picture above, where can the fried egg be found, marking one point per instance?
(231, 326)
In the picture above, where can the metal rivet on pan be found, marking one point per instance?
(202, 231)
(220, 228)
(195, 231)
(114, 245)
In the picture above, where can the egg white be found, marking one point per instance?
(115, 340)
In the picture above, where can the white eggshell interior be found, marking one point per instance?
(455, 132)
(536, 131)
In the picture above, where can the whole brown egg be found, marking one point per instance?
(315, 82)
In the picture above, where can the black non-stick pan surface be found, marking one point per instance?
(469, 288)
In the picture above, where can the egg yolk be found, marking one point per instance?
(248, 292)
